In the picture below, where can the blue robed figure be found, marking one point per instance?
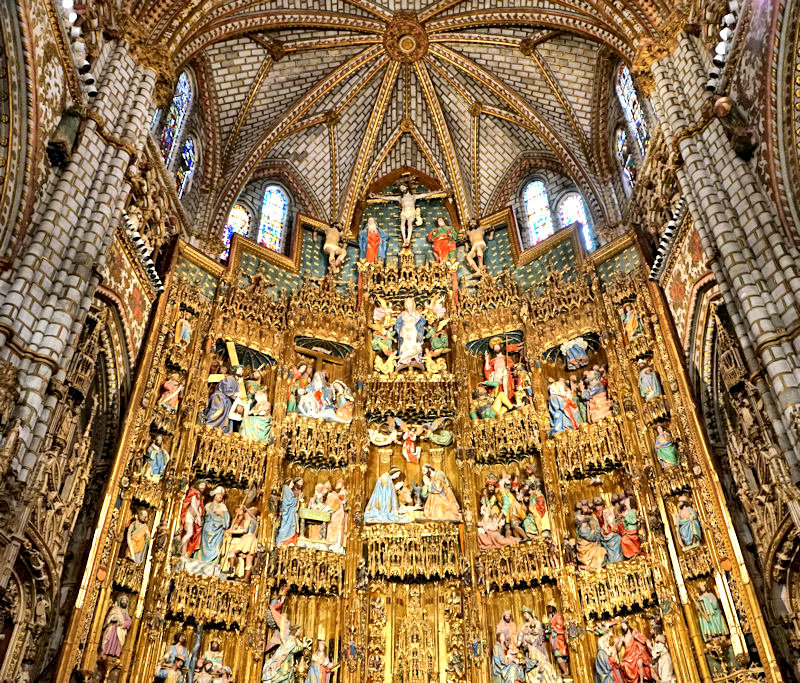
(383, 506)
(372, 242)
(221, 401)
(287, 531)
(216, 520)
(575, 353)
(649, 384)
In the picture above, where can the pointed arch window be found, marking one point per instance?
(572, 209)
(274, 214)
(537, 211)
(627, 162)
(629, 101)
(238, 223)
(186, 164)
(176, 115)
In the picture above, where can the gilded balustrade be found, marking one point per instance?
(395, 282)
(695, 562)
(229, 456)
(413, 396)
(672, 481)
(307, 569)
(220, 602)
(619, 588)
(515, 435)
(525, 564)
(589, 449)
(413, 551)
(324, 309)
(655, 409)
(251, 316)
(129, 575)
(316, 443)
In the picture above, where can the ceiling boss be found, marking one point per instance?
(405, 38)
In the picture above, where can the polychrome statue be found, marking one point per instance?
(563, 410)
(156, 458)
(443, 238)
(558, 638)
(575, 353)
(410, 330)
(409, 214)
(176, 651)
(440, 505)
(477, 245)
(372, 242)
(191, 519)
(290, 503)
(171, 391)
(631, 322)
(137, 537)
(665, 447)
(649, 383)
(383, 506)
(243, 545)
(221, 400)
(321, 666)
(115, 628)
(216, 521)
(636, 660)
(333, 247)
(690, 532)
(299, 379)
(183, 331)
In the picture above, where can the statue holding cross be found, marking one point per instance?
(228, 401)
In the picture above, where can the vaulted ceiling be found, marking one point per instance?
(347, 90)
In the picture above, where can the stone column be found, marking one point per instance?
(48, 289)
(754, 266)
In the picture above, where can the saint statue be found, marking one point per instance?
(712, 623)
(665, 447)
(409, 214)
(410, 329)
(280, 666)
(591, 554)
(383, 506)
(299, 379)
(243, 545)
(171, 391)
(558, 638)
(631, 322)
(575, 353)
(662, 660)
(595, 394)
(176, 651)
(443, 238)
(649, 383)
(498, 370)
(563, 410)
(372, 242)
(486, 406)
(183, 331)
(335, 502)
(115, 628)
(606, 661)
(216, 520)
(609, 522)
(191, 520)
(489, 526)
(636, 660)
(333, 246)
(216, 656)
(156, 459)
(477, 247)
(221, 400)
(321, 666)
(174, 673)
(290, 503)
(206, 671)
(440, 505)
(630, 542)
(137, 538)
(257, 424)
(690, 532)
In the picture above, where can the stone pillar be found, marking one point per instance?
(754, 266)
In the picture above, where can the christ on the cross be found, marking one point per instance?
(408, 207)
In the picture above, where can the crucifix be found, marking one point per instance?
(408, 206)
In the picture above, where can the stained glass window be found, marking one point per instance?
(537, 211)
(573, 210)
(185, 168)
(239, 223)
(274, 211)
(176, 115)
(626, 160)
(630, 105)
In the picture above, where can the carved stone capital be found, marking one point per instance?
(149, 55)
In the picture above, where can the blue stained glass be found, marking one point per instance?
(572, 210)
(274, 211)
(185, 166)
(537, 211)
(626, 160)
(176, 115)
(630, 105)
(239, 223)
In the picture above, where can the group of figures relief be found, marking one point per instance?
(176, 663)
(512, 511)
(396, 501)
(506, 382)
(320, 523)
(286, 646)
(574, 401)
(410, 338)
(239, 402)
(312, 394)
(211, 541)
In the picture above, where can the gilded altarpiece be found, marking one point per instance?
(418, 475)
